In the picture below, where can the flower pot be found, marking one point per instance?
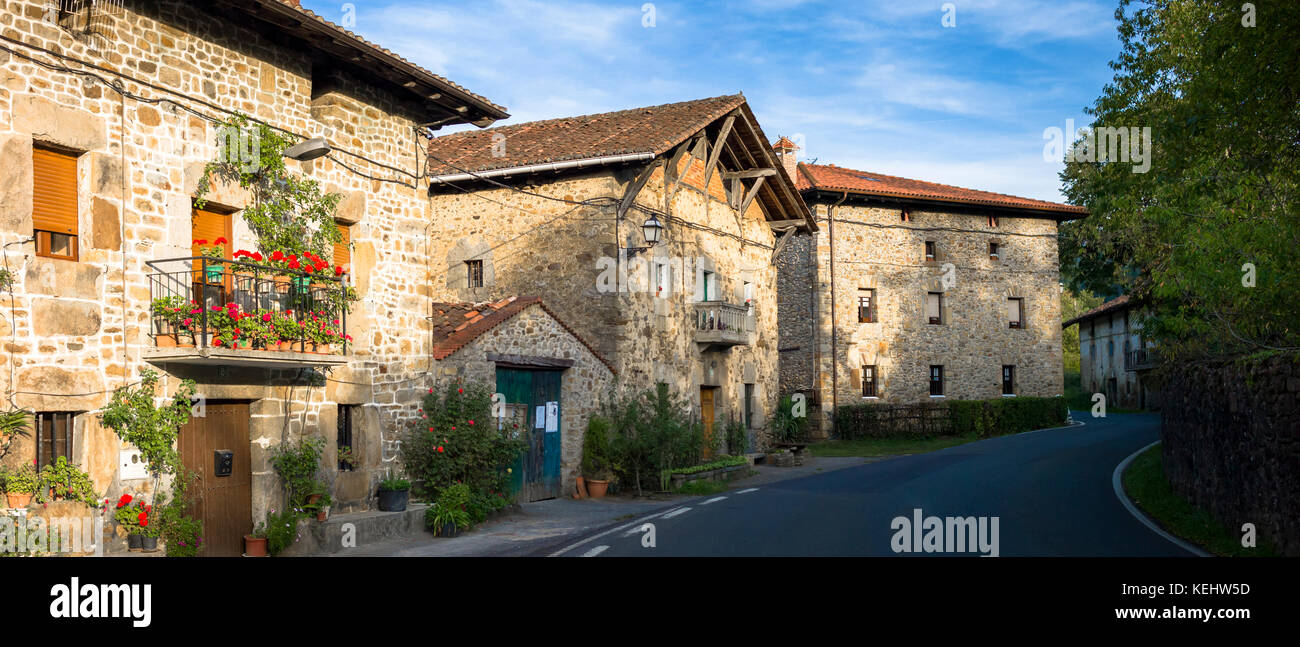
(393, 500)
(165, 341)
(18, 499)
(148, 544)
(135, 542)
(312, 499)
(185, 340)
(324, 349)
(285, 346)
(448, 530)
(254, 546)
(597, 488)
(214, 273)
(323, 514)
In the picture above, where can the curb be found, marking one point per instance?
(1116, 480)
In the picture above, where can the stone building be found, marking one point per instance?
(917, 292)
(106, 122)
(567, 209)
(1114, 359)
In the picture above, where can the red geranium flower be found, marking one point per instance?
(144, 519)
(220, 241)
(126, 498)
(277, 255)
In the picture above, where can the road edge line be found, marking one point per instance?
(1117, 482)
(588, 540)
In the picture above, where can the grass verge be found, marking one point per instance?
(702, 487)
(1145, 483)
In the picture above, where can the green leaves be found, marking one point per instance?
(133, 415)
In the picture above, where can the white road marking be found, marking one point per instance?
(1117, 482)
(595, 551)
(714, 500)
(625, 526)
(746, 491)
(676, 512)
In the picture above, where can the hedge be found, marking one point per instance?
(981, 418)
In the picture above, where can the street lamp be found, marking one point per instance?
(652, 229)
(307, 150)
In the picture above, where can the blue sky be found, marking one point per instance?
(876, 86)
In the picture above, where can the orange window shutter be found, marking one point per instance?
(208, 226)
(54, 192)
(342, 252)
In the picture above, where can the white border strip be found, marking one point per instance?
(1116, 480)
(611, 531)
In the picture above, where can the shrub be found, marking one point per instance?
(452, 507)
(979, 418)
(456, 440)
(787, 427)
(597, 455)
(64, 480)
(182, 535)
(297, 463)
(652, 433)
(737, 437)
(281, 530)
(133, 416)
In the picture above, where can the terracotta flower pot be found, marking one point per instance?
(185, 340)
(18, 499)
(165, 341)
(597, 488)
(285, 346)
(324, 349)
(312, 499)
(254, 546)
(323, 514)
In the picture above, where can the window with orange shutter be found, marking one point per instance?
(54, 203)
(343, 248)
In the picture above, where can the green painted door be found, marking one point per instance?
(532, 393)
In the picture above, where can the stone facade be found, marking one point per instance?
(1105, 341)
(1231, 442)
(570, 256)
(534, 333)
(77, 329)
(872, 248)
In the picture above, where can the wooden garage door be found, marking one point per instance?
(224, 503)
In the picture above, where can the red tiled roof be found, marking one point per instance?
(654, 129)
(784, 144)
(1109, 306)
(836, 178)
(345, 35)
(457, 324)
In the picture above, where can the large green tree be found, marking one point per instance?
(1208, 235)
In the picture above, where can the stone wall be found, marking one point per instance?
(534, 333)
(82, 327)
(797, 303)
(568, 255)
(1230, 434)
(875, 249)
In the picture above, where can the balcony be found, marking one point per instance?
(1141, 359)
(723, 324)
(221, 312)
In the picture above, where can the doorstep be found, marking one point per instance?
(368, 527)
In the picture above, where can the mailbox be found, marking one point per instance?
(223, 462)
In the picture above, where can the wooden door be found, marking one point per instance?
(537, 470)
(706, 416)
(223, 503)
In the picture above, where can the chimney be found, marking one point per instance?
(785, 149)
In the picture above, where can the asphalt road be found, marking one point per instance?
(1050, 491)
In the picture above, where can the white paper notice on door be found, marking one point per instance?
(552, 416)
(539, 417)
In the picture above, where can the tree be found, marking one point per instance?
(1208, 236)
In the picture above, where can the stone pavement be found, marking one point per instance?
(544, 526)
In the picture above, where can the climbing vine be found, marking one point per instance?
(136, 419)
(290, 213)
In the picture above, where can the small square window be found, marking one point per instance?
(931, 250)
(906, 215)
(475, 269)
(53, 436)
(993, 221)
(994, 250)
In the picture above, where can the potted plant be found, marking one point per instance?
(255, 542)
(167, 313)
(449, 514)
(393, 494)
(134, 517)
(20, 485)
(597, 457)
(298, 463)
(62, 480)
(216, 250)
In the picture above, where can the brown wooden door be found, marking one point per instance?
(224, 503)
(706, 416)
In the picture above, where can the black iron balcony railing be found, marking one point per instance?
(207, 302)
(1140, 359)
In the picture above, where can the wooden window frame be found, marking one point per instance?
(1017, 324)
(931, 251)
(474, 273)
(44, 237)
(870, 310)
(1008, 379)
(993, 221)
(869, 383)
(45, 425)
(934, 321)
(941, 382)
(995, 251)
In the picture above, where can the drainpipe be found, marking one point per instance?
(835, 367)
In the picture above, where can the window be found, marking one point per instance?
(993, 221)
(662, 284)
(475, 271)
(866, 305)
(934, 307)
(993, 251)
(1110, 347)
(1015, 313)
(343, 248)
(748, 292)
(930, 250)
(869, 382)
(936, 381)
(1008, 379)
(907, 216)
(210, 229)
(53, 436)
(749, 412)
(708, 284)
(54, 203)
(345, 447)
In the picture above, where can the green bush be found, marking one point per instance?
(597, 454)
(452, 507)
(281, 530)
(652, 434)
(66, 481)
(457, 441)
(297, 463)
(787, 427)
(737, 437)
(725, 461)
(979, 418)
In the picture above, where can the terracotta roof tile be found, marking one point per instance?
(448, 337)
(654, 129)
(836, 178)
